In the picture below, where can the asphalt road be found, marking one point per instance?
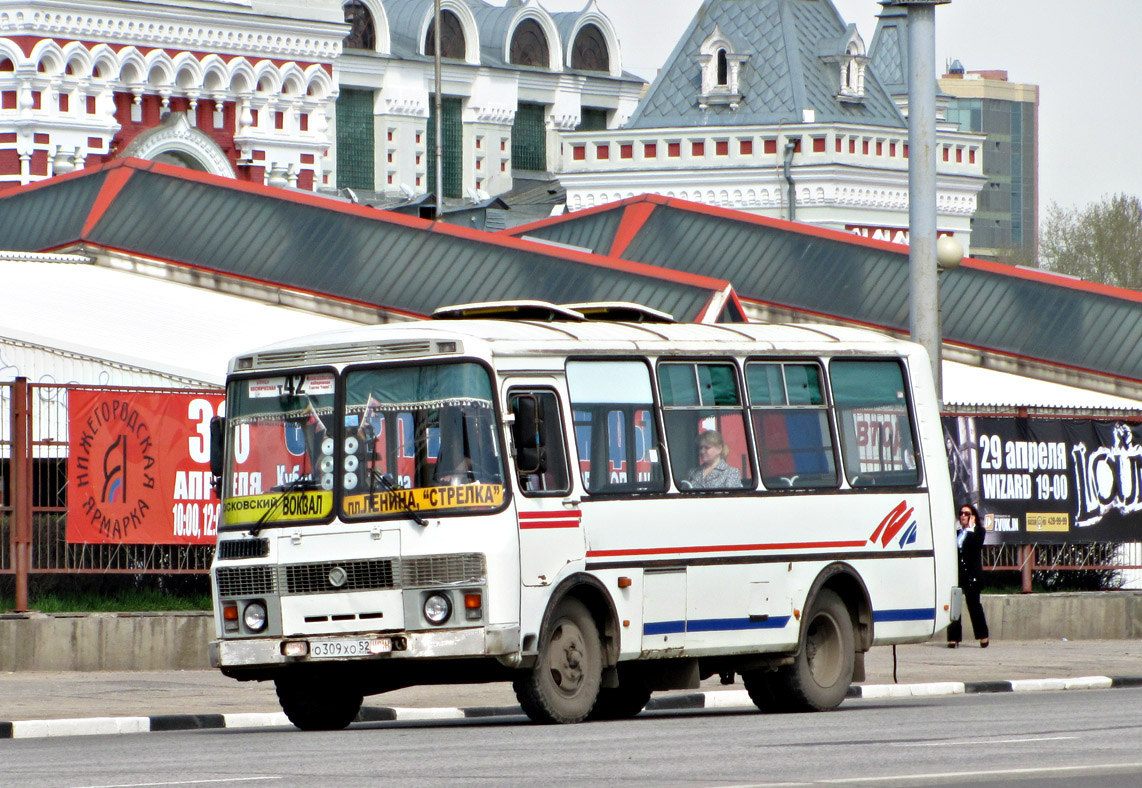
(1088, 738)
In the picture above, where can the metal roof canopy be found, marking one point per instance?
(268, 239)
(1024, 321)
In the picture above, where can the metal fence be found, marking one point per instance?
(1048, 563)
(33, 497)
(33, 510)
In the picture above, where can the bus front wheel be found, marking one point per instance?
(819, 678)
(620, 703)
(564, 684)
(317, 706)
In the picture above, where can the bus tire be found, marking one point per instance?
(819, 678)
(317, 706)
(564, 684)
(620, 703)
(760, 686)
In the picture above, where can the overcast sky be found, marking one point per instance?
(1083, 55)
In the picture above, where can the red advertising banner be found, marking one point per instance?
(139, 467)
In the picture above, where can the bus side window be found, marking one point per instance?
(791, 422)
(541, 467)
(875, 422)
(705, 425)
(615, 430)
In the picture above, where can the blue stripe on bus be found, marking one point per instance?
(711, 625)
(664, 628)
(906, 614)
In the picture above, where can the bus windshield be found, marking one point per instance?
(420, 438)
(280, 447)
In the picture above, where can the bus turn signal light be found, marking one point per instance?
(473, 606)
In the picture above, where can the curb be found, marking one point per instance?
(720, 699)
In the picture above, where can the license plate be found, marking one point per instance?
(340, 648)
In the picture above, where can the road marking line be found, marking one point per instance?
(182, 782)
(962, 742)
(1046, 770)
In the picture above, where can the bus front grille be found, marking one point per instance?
(443, 570)
(333, 576)
(230, 549)
(240, 581)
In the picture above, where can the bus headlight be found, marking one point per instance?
(254, 616)
(437, 609)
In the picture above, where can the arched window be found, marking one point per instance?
(721, 66)
(362, 31)
(452, 43)
(6, 65)
(590, 50)
(529, 46)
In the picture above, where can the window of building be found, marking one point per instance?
(589, 52)
(875, 424)
(615, 429)
(791, 422)
(355, 139)
(592, 119)
(452, 44)
(705, 426)
(529, 46)
(362, 30)
(452, 145)
(720, 65)
(529, 137)
(848, 57)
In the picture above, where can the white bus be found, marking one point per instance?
(589, 508)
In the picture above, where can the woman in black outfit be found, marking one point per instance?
(969, 535)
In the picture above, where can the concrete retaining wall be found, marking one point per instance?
(1095, 615)
(177, 641)
(105, 641)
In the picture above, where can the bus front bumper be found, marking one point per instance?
(471, 642)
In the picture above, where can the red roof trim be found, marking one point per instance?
(1053, 278)
(634, 217)
(738, 304)
(1047, 277)
(523, 229)
(113, 184)
(389, 217)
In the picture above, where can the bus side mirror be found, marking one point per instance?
(525, 432)
(217, 452)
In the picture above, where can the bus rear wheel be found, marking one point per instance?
(564, 684)
(317, 705)
(819, 678)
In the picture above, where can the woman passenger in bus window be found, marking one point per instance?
(713, 472)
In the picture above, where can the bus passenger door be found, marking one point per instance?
(550, 521)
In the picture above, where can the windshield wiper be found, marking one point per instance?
(386, 480)
(305, 484)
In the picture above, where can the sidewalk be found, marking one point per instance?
(928, 668)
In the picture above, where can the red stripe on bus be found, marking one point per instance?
(549, 519)
(725, 548)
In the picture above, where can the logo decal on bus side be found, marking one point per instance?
(892, 524)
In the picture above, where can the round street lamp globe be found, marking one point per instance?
(949, 253)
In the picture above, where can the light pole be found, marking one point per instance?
(924, 307)
(439, 145)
